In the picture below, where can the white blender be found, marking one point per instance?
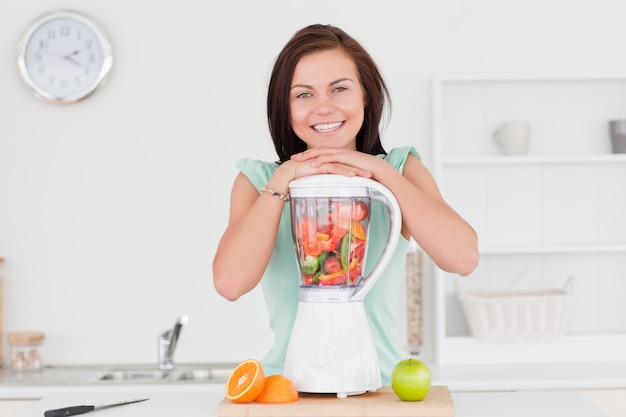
(331, 349)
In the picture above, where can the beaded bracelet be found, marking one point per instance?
(283, 197)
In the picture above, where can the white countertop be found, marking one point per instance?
(517, 377)
(478, 390)
(204, 404)
(459, 378)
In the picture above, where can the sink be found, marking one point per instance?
(210, 374)
(135, 376)
(121, 374)
(207, 373)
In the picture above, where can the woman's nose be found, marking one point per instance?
(324, 105)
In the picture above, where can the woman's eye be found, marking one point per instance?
(340, 89)
(303, 95)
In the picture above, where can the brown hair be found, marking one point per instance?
(306, 41)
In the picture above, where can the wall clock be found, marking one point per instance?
(64, 56)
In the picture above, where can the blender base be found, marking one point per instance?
(331, 350)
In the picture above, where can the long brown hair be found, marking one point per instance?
(315, 38)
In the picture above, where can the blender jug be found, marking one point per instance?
(331, 349)
(330, 216)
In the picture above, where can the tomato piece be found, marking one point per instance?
(331, 244)
(323, 225)
(312, 248)
(332, 265)
(358, 249)
(305, 232)
(307, 226)
(341, 211)
(338, 231)
(354, 211)
(360, 210)
(309, 279)
(355, 228)
(354, 274)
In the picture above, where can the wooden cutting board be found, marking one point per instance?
(382, 403)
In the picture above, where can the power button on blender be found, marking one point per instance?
(322, 357)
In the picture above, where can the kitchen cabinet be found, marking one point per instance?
(555, 212)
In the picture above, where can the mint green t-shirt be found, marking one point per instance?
(280, 282)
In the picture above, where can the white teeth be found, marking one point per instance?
(327, 127)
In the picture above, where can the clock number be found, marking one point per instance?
(64, 31)
(88, 43)
(43, 44)
(52, 34)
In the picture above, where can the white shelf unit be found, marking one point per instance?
(559, 211)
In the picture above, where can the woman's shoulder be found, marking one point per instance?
(257, 171)
(398, 156)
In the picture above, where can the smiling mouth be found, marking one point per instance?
(327, 127)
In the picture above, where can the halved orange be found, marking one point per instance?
(278, 389)
(246, 382)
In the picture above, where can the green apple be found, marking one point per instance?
(410, 380)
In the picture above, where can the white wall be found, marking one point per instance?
(111, 209)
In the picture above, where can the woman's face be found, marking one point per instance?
(326, 100)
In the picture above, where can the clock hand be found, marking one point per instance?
(76, 52)
(68, 57)
(73, 61)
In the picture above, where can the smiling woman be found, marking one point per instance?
(325, 102)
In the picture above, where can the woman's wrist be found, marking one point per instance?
(274, 193)
(281, 178)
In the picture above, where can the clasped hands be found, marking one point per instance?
(333, 161)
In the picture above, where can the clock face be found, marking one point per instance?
(64, 57)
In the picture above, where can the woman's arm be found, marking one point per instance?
(252, 227)
(448, 239)
(439, 230)
(249, 238)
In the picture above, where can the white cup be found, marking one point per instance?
(513, 137)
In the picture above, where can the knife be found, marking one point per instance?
(81, 409)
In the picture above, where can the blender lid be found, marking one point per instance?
(330, 185)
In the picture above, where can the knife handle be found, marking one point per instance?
(69, 411)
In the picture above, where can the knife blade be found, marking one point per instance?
(81, 409)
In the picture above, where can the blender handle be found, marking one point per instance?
(395, 225)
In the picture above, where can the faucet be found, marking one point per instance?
(167, 343)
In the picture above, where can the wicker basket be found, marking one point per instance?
(536, 314)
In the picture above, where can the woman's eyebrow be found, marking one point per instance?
(340, 80)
